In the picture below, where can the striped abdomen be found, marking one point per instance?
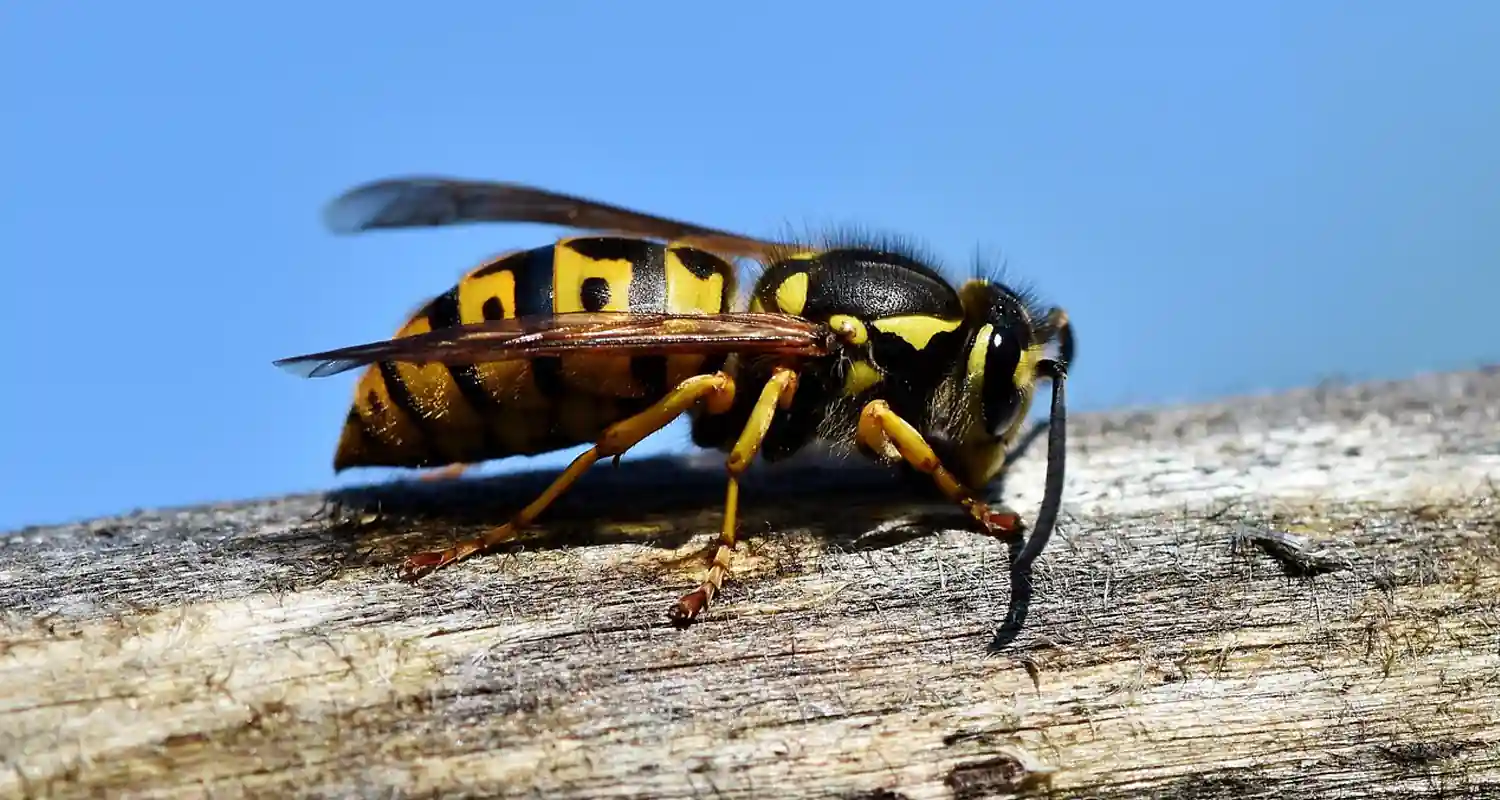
(408, 415)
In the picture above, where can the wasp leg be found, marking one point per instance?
(777, 393)
(444, 473)
(885, 432)
(717, 393)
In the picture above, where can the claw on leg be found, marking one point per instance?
(690, 605)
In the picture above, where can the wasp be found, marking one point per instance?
(606, 338)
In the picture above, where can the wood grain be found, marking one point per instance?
(1294, 593)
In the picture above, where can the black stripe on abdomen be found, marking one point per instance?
(534, 284)
(443, 313)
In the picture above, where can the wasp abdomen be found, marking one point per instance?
(427, 415)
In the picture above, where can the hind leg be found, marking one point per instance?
(716, 391)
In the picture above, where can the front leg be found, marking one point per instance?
(889, 435)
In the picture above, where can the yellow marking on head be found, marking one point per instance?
(974, 376)
(1025, 374)
(861, 376)
(791, 295)
(687, 292)
(571, 268)
(756, 306)
(916, 329)
(850, 329)
(473, 293)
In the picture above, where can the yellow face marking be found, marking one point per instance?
(791, 295)
(1025, 374)
(974, 382)
(850, 329)
(861, 376)
(687, 292)
(571, 268)
(916, 329)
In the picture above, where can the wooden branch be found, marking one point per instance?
(1285, 596)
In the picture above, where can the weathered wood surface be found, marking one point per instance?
(266, 648)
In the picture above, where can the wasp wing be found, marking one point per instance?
(603, 333)
(434, 201)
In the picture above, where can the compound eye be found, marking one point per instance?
(1002, 398)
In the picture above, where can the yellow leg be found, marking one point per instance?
(885, 432)
(778, 393)
(717, 393)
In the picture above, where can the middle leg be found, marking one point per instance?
(777, 393)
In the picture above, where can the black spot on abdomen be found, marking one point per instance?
(594, 294)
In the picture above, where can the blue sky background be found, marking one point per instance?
(1229, 197)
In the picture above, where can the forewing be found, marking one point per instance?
(604, 333)
(428, 202)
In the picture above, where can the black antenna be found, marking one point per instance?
(1046, 518)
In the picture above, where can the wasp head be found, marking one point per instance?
(998, 377)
